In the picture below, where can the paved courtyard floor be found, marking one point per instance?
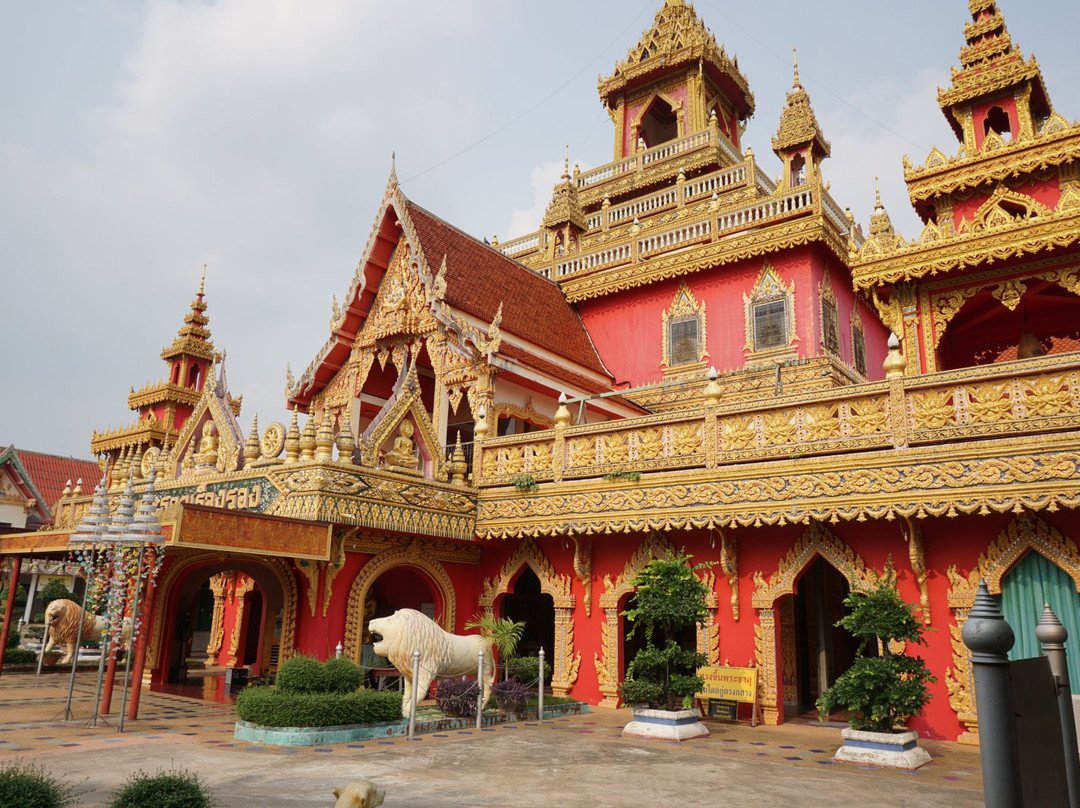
(566, 762)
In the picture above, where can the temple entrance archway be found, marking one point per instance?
(814, 651)
(252, 617)
(527, 603)
(564, 662)
(775, 602)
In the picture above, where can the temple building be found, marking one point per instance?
(685, 354)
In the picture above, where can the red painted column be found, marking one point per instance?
(106, 692)
(9, 607)
(139, 662)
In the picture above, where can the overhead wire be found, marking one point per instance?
(620, 36)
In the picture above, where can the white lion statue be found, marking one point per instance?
(62, 627)
(441, 654)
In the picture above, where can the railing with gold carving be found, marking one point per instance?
(1006, 400)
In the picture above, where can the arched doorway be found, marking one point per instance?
(526, 603)
(1025, 589)
(252, 615)
(814, 650)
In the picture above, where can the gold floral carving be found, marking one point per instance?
(765, 661)
(1026, 533)
(413, 554)
(946, 307)
(583, 569)
(816, 540)
(187, 561)
(219, 585)
(332, 569)
(917, 557)
(729, 563)
(244, 585)
(1009, 293)
(310, 570)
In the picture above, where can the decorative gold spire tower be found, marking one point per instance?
(564, 220)
(994, 90)
(799, 142)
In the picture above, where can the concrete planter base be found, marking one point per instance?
(350, 733)
(896, 750)
(680, 725)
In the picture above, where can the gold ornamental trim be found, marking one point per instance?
(938, 252)
(943, 480)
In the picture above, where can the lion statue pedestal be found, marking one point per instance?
(441, 654)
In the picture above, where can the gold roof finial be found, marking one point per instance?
(202, 282)
(795, 57)
(566, 163)
(877, 195)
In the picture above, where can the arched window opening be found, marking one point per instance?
(660, 124)
(798, 170)
(194, 376)
(175, 376)
(997, 120)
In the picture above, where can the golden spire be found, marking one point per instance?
(795, 57)
(881, 227)
(798, 124)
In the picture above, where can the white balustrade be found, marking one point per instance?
(520, 245)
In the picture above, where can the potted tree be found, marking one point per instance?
(504, 634)
(885, 686)
(670, 598)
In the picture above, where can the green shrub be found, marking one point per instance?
(53, 590)
(302, 674)
(13, 635)
(19, 656)
(176, 788)
(273, 707)
(342, 675)
(33, 632)
(526, 669)
(881, 690)
(28, 785)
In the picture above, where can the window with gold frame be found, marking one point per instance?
(684, 334)
(770, 318)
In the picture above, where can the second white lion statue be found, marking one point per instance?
(441, 654)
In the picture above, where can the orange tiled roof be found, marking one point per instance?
(479, 278)
(50, 473)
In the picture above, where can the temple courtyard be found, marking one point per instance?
(571, 761)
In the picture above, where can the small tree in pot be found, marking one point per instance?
(670, 598)
(882, 689)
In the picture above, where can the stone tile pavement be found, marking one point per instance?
(571, 761)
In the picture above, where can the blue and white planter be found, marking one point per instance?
(678, 725)
(897, 750)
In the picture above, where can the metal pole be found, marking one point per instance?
(75, 655)
(1052, 635)
(540, 695)
(479, 686)
(131, 638)
(413, 685)
(105, 650)
(989, 638)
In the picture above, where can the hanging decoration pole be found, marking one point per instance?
(131, 641)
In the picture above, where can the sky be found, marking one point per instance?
(140, 141)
